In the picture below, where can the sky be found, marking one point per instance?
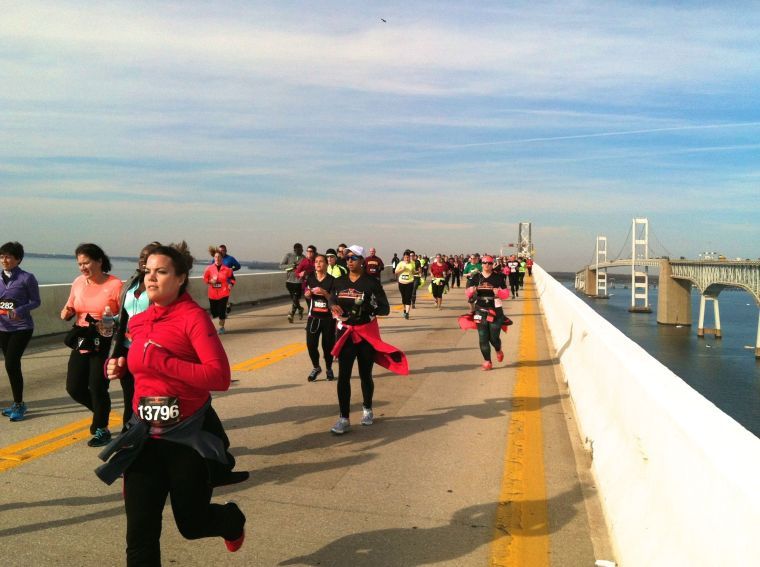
(259, 124)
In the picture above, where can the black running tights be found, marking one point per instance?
(295, 291)
(86, 384)
(164, 468)
(364, 354)
(316, 326)
(13, 345)
(488, 335)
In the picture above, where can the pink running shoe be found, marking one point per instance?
(235, 544)
(487, 365)
(499, 356)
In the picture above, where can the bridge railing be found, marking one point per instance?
(677, 477)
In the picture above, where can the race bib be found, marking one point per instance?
(7, 305)
(217, 285)
(405, 278)
(319, 305)
(159, 411)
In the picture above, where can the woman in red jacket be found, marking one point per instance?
(175, 443)
(220, 280)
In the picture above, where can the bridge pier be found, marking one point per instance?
(701, 329)
(590, 282)
(674, 298)
(757, 340)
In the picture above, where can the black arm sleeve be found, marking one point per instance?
(383, 307)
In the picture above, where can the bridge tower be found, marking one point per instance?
(601, 273)
(639, 272)
(524, 240)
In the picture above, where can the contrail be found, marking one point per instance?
(606, 134)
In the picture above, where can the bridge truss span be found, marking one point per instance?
(711, 277)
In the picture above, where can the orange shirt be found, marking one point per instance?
(92, 298)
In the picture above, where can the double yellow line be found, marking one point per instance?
(36, 447)
(41, 445)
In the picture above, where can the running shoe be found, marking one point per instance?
(101, 438)
(329, 375)
(314, 373)
(234, 544)
(368, 418)
(7, 411)
(290, 317)
(341, 426)
(17, 411)
(487, 365)
(499, 355)
(406, 315)
(221, 331)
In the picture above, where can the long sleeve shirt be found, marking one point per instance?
(176, 352)
(21, 293)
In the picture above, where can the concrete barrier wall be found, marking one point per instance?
(677, 477)
(250, 288)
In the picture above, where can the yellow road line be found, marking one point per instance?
(41, 445)
(522, 532)
(269, 358)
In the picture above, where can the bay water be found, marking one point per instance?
(725, 371)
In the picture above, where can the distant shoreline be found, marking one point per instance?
(251, 264)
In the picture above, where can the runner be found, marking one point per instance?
(19, 294)
(232, 263)
(439, 271)
(514, 276)
(175, 444)
(405, 272)
(94, 297)
(292, 282)
(417, 277)
(455, 268)
(521, 271)
(133, 300)
(356, 301)
(306, 266)
(219, 280)
(333, 268)
(489, 288)
(394, 262)
(373, 266)
(471, 269)
(342, 256)
(319, 286)
(529, 266)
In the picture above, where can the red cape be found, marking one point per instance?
(387, 356)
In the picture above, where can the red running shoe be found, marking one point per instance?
(499, 356)
(487, 365)
(235, 544)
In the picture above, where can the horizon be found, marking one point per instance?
(436, 126)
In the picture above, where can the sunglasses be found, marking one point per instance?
(488, 262)
(353, 258)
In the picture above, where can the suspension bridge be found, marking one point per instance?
(676, 279)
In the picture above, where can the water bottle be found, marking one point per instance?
(107, 323)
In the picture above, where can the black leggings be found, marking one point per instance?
(454, 279)
(128, 388)
(295, 290)
(489, 334)
(316, 326)
(522, 278)
(438, 290)
(514, 283)
(219, 307)
(87, 384)
(414, 289)
(364, 353)
(406, 290)
(162, 468)
(13, 344)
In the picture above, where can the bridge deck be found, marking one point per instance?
(420, 487)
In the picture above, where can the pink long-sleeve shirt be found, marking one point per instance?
(190, 361)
